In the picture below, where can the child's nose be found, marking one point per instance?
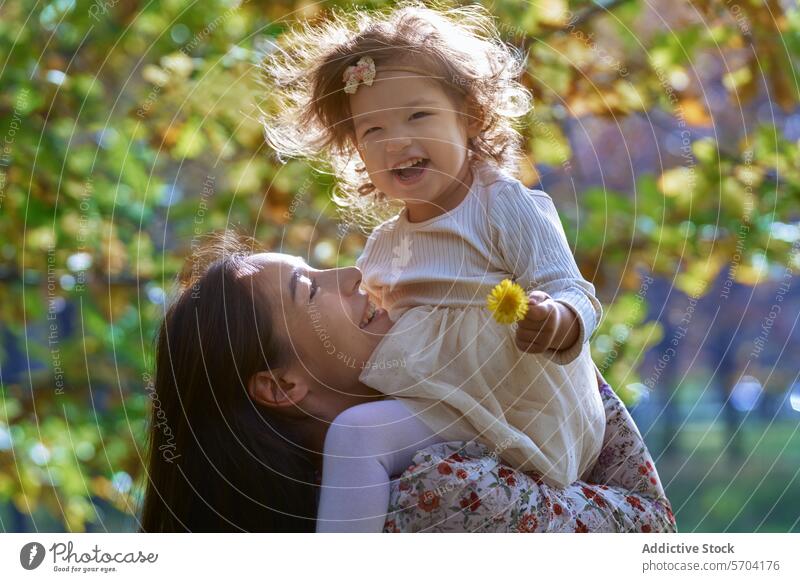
(397, 144)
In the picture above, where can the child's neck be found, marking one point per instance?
(450, 198)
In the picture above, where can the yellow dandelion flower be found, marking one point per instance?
(508, 302)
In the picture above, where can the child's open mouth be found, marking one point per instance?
(411, 170)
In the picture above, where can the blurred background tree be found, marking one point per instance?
(667, 132)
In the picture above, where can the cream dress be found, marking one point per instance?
(457, 368)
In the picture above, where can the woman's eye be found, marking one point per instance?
(314, 288)
(419, 114)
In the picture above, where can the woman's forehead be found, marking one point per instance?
(280, 273)
(277, 261)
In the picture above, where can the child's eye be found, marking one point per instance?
(314, 288)
(371, 129)
(420, 114)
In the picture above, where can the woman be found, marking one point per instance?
(260, 353)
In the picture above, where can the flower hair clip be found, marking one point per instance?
(362, 72)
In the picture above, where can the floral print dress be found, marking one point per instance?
(463, 487)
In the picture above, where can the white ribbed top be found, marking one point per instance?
(501, 229)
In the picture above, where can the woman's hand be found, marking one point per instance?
(548, 325)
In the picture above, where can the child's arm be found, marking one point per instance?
(533, 246)
(548, 325)
(365, 445)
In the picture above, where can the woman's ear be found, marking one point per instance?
(273, 389)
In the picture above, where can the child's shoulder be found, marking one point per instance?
(505, 193)
(384, 228)
(380, 235)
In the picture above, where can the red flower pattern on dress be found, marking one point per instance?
(428, 501)
(634, 502)
(646, 528)
(527, 523)
(473, 501)
(444, 469)
(461, 474)
(580, 527)
(557, 509)
(455, 457)
(508, 475)
(404, 485)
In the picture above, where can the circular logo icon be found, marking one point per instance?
(31, 555)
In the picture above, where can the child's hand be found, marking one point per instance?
(548, 325)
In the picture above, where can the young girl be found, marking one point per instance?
(416, 106)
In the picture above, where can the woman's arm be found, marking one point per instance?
(364, 446)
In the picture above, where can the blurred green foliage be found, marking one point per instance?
(130, 129)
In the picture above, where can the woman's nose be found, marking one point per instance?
(349, 280)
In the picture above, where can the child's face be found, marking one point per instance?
(404, 118)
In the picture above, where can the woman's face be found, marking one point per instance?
(327, 323)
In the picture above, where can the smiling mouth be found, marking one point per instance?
(411, 171)
(369, 315)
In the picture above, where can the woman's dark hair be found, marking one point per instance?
(217, 460)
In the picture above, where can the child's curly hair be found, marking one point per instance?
(309, 114)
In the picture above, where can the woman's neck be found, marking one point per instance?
(315, 440)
